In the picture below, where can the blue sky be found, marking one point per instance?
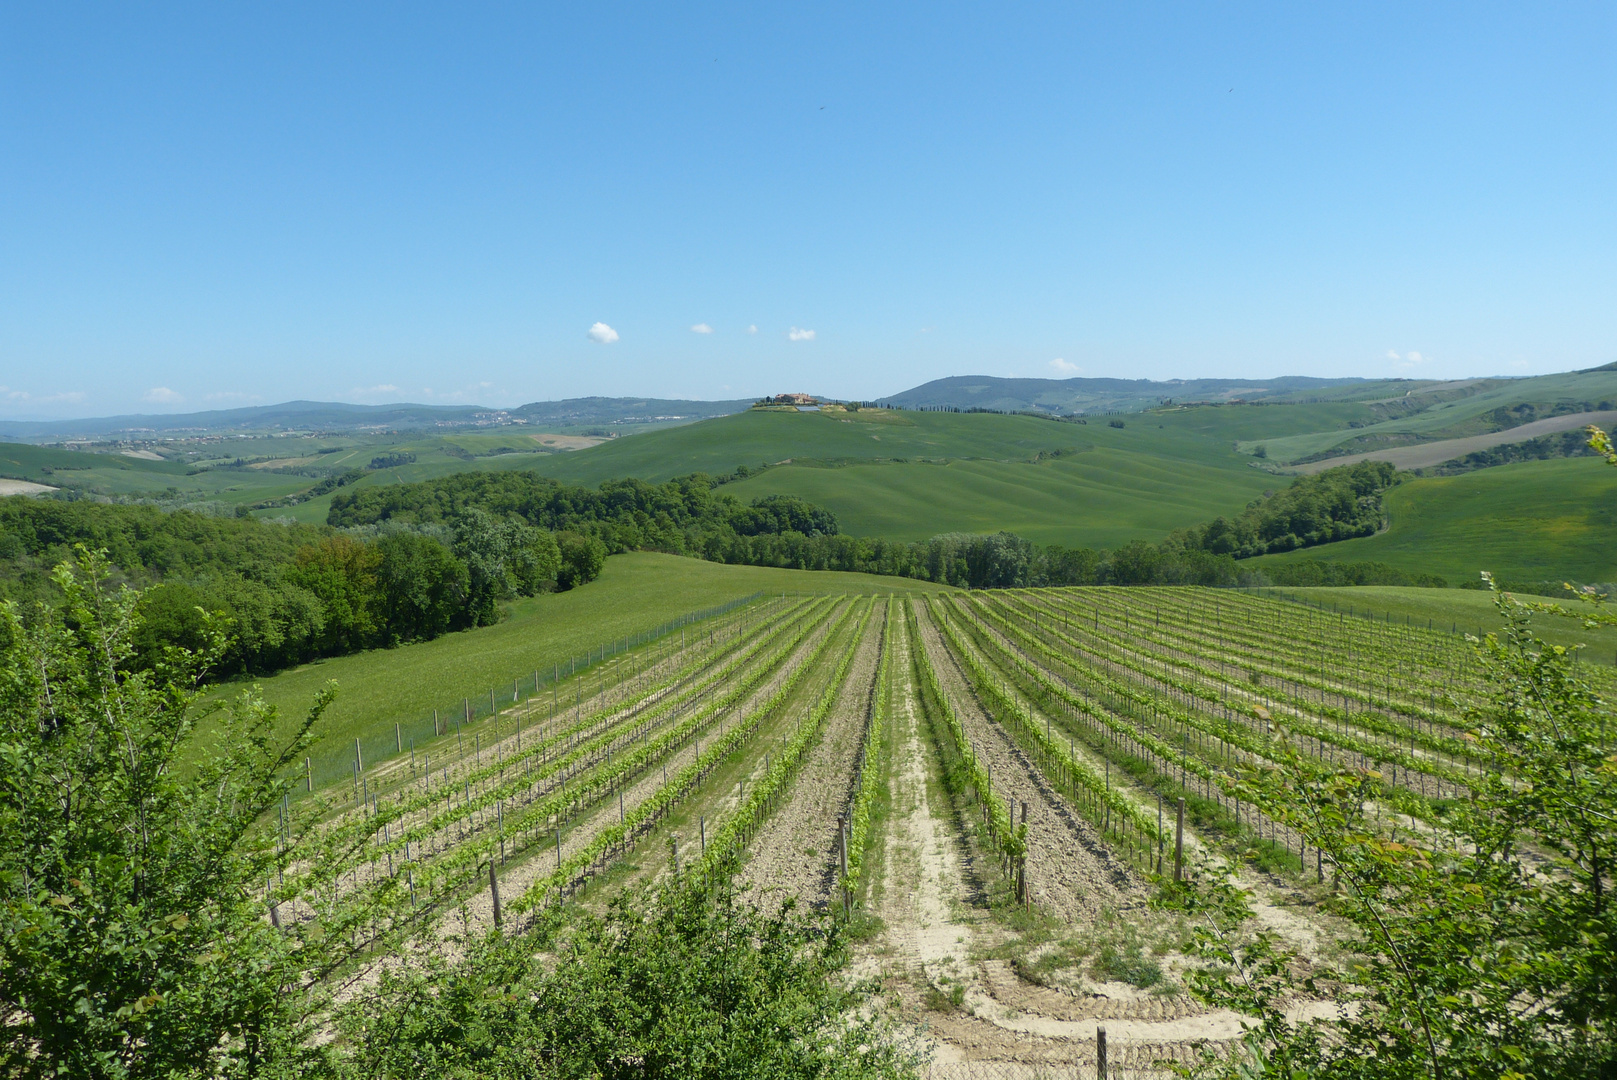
(218, 205)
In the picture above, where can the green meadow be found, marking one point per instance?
(1524, 522)
(911, 475)
(1104, 497)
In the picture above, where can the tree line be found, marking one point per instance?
(1336, 504)
(690, 515)
(287, 594)
(409, 562)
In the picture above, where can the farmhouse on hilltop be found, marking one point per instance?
(791, 399)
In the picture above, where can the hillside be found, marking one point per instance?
(1529, 521)
(910, 474)
(1462, 411)
(634, 593)
(1080, 395)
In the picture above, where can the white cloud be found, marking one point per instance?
(794, 334)
(1392, 354)
(753, 329)
(602, 334)
(701, 328)
(1415, 358)
(1064, 367)
(161, 395)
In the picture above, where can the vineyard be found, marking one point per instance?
(992, 786)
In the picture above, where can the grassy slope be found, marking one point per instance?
(754, 438)
(635, 592)
(1465, 609)
(1103, 498)
(913, 475)
(1528, 521)
(1455, 417)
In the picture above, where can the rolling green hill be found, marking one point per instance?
(911, 475)
(55, 466)
(1528, 521)
(763, 437)
(1466, 409)
(1084, 395)
(1101, 498)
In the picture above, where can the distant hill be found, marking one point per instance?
(1069, 396)
(622, 410)
(334, 416)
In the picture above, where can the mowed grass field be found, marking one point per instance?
(1102, 498)
(1457, 610)
(1525, 522)
(912, 475)
(635, 592)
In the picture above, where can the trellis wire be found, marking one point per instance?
(335, 762)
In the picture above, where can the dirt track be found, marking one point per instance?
(794, 854)
(1071, 871)
(1424, 455)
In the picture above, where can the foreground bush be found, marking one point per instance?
(690, 984)
(134, 940)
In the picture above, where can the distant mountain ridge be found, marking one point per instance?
(1055, 396)
(341, 416)
(1079, 395)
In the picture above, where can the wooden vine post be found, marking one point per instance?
(1179, 842)
(1021, 868)
(842, 857)
(494, 892)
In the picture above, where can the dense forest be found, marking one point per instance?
(1337, 504)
